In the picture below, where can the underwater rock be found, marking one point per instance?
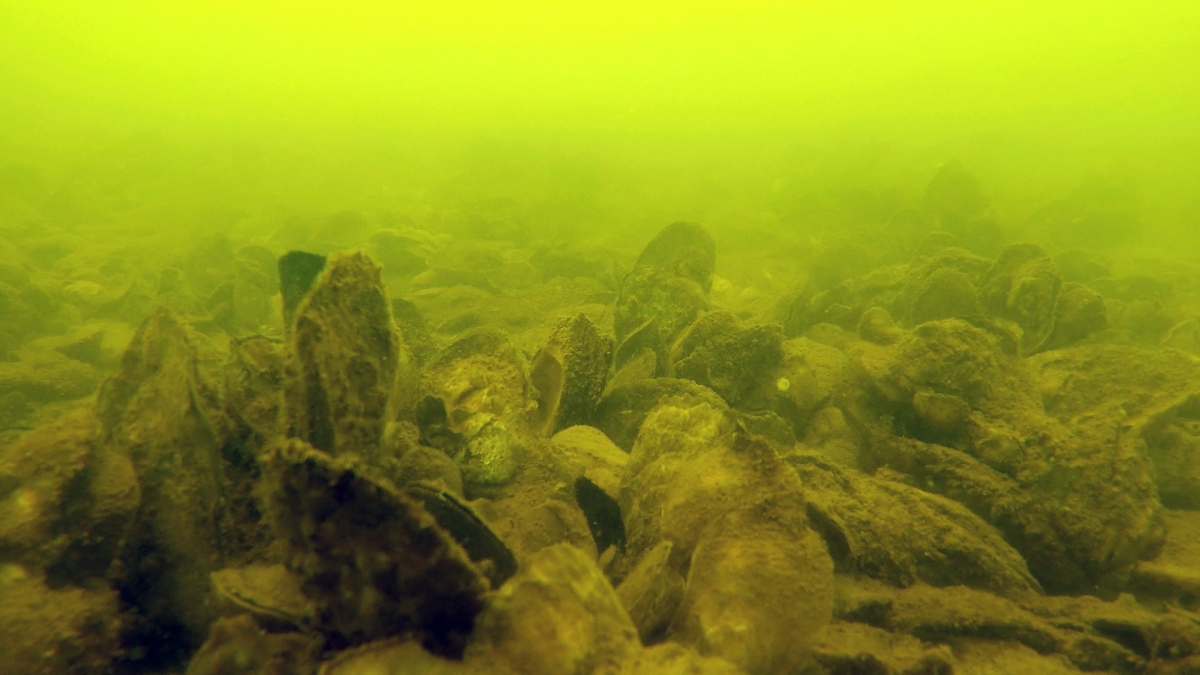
(67, 500)
(1078, 506)
(477, 385)
(569, 373)
(254, 384)
(65, 630)
(239, 646)
(1154, 393)
(557, 615)
(372, 560)
(665, 292)
(901, 535)
(163, 410)
(623, 409)
(343, 361)
(651, 593)
(732, 359)
(1023, 286)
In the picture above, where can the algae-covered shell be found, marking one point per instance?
(272, 593)
(470, 531)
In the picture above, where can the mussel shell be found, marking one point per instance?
(454, 516)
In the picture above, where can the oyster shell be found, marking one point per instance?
(273, 594)
(372, 559)
(344, 359)
(665, 292)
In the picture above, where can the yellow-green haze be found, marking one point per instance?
(627, 110)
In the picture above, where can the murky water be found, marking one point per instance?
(639, 338)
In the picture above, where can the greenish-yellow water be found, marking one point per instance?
(933, 346)
(256, 102)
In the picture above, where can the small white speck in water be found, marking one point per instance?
(783, 384)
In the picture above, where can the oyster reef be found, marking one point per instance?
(637, 339)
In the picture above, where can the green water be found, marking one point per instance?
(506, 162)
